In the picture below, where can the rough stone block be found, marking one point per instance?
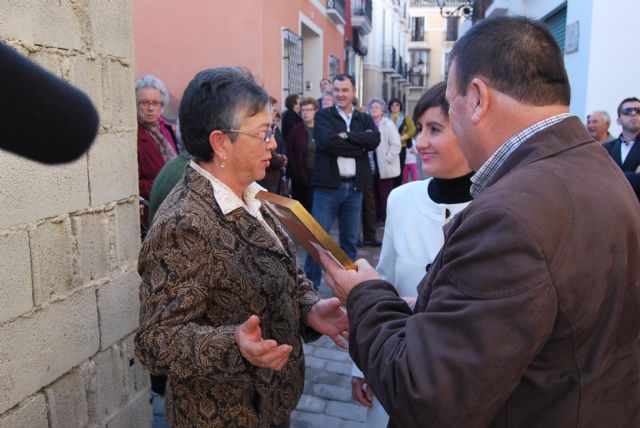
(313, 420)
(316, 363)
(52, 259)
(85, 72)
(331, 392)
(332, 354)
(112, 27)
(118, 307)
(109, 383)
(127, 232)
(49, 23)
(15, 275)
(348, 411)
(91, 231)
(113, 168)
(67, 398)
(136, 413)
(118, 107)
(41, 347)
(30, 413)
(309, 403)
(136, 376)
(32, 191)
(342, 368)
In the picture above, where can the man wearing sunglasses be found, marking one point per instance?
(625, 150)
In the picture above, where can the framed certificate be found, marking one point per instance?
(304, 228)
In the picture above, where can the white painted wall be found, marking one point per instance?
(604, 70)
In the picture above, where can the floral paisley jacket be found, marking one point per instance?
(203, 274)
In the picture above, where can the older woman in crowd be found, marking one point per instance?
(387, 154)
(416, 214)
(156, 138)
(223, 304)
(301, 148)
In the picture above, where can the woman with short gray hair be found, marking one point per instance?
(156, 138)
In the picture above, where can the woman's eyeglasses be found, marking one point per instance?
(268, 133)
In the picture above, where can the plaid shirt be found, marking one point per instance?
(481, 179)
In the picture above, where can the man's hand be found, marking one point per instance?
(328, 317)
(342, 281)
(259, 352)
(361, 391)
(343, 135)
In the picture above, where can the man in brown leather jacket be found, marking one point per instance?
(530, 314)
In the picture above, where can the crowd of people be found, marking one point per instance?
(507, 291)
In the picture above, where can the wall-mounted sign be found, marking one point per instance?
(572, 36)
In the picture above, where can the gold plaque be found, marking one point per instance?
(304, 228)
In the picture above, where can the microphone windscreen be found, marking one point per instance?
(45, 118)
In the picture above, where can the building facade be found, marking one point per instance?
(386, 63)
(289, 45)
(595, 36)
(433, 31)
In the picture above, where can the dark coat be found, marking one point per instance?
(150, 160)
(203, 274)
(363, 136)
(530, 314)
(297, 146)
(289, 119)
(631, 162)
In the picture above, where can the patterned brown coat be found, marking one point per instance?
(203, 274)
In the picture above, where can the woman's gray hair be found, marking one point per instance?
(150, 81)
(379, 101)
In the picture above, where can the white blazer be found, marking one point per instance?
(388, 151)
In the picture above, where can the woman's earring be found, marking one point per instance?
(222, 164)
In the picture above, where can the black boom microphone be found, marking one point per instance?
(47, 119)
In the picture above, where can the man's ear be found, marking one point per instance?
(618, 121)
(478, 95)
(217, 141)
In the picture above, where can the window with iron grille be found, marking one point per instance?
(334, 67)
(292, 62)
(419, 67)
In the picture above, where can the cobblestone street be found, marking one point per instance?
(326, 401)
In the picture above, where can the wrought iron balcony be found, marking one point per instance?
(335, 11)
(361, 15)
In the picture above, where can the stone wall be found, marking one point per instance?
(69, 235)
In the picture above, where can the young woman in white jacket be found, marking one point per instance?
(416, 213)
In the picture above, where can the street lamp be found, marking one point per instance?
(455, 8)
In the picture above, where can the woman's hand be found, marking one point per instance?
(260, 352)
(328, 317)
(361, 391)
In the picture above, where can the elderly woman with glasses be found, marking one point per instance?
(224, 306)
(387, 154)
(156, 139)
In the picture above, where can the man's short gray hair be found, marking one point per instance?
(150, 81)
(605, 116)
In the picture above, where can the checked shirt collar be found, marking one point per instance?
(481, 179)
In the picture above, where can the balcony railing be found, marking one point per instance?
(361, 15)
(335, 11)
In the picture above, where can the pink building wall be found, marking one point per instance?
(174, 40)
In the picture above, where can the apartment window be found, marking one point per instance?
(334, 67)
(417, 29)
(452, 28)
(292, 62)
(419, 67)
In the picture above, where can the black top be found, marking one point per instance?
(450, 190)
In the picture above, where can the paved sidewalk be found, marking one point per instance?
(326, 401)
